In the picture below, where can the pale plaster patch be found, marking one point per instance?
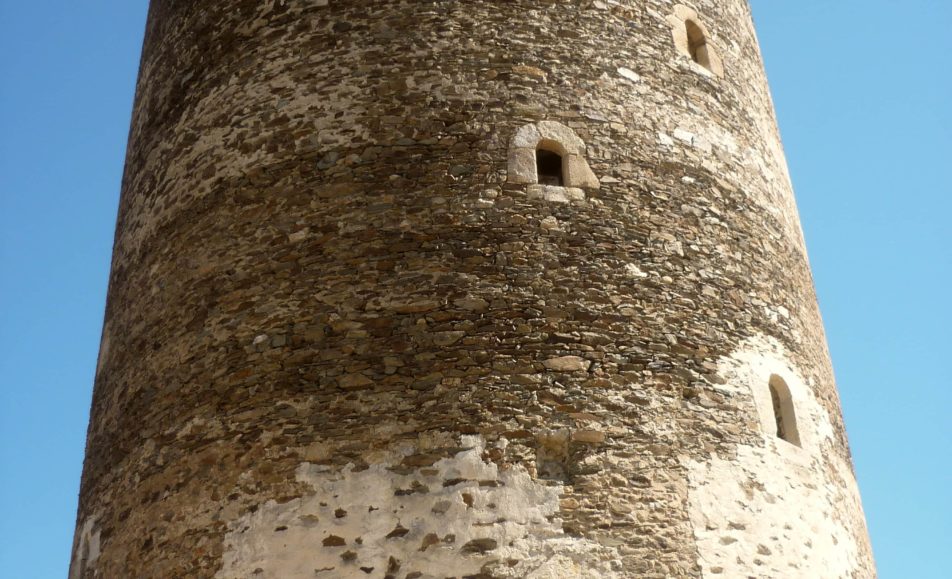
(104, 343)
(85, 549)
(461, 516)
(776, 509)
(748, 164)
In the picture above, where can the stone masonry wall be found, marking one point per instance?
(341, 340)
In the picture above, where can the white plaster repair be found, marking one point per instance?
(104, 343)
(85, 549)
(460, 516)
(776, 509)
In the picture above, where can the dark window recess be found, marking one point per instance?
(778, 412)
(549, 167)
(697, 44)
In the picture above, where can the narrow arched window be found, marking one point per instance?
(697, 44)
(784, 415)
(549, 167)
(692, 39)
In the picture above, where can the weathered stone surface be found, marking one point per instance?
(354, 381)
(567, 364)
(588, 436)
(348, 334)
(629, 74)
(555, 194)
(447, 338)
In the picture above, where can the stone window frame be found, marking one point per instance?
(783, 411)
(704, 55)
(557, 138)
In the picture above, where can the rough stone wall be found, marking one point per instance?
(341, 342)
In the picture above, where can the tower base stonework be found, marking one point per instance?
(418, 290)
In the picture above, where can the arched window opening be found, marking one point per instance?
(550, 157)
(784, 417)
(549, 167)
(697, 44)
(692, 39)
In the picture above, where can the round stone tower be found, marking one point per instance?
(461, 288)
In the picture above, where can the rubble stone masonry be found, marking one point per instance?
(354, 330)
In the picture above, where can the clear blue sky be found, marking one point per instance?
(863, 93)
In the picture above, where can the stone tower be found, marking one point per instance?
(461, 288)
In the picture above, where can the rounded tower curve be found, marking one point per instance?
(470, 289)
